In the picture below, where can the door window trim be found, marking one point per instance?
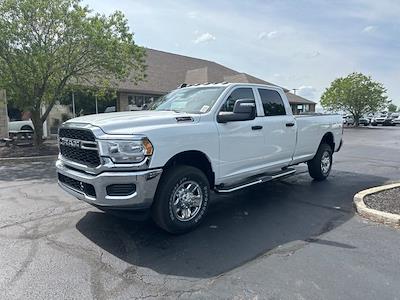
(259, 110)
(280, 94)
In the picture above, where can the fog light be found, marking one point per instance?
(121, 189)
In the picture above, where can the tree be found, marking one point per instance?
(357, 94)
(392, 107)
(46, 45)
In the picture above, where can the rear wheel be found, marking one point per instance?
(320, 166)
(181, 200)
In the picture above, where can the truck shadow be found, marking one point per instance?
(239, 227)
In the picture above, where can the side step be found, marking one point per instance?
(254, 180)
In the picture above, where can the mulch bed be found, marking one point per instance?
(15, 151)
(387, 201)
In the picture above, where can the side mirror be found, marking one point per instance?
(243, 110)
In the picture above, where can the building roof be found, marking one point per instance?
(165, 71)
(296, 99)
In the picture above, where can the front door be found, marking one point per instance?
(241, 142)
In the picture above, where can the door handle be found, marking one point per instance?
(289, 124)
(257, 127)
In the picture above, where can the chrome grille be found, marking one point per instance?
(82, 154)
(77, 134)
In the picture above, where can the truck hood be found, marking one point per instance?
(131, 122)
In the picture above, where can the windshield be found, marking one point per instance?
(198, 100)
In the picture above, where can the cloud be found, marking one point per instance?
(193, 14)
(312, 43)
(272, 34)
(307, 91)
(313, 54)
(204, 37)
(307, 54)
(369, 29)
(269, 35)
(262, 35)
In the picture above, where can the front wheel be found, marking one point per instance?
(181, 199)
(320, 166)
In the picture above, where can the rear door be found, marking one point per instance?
(279, 129)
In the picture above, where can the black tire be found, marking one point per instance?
(173, 180)
(315, 166)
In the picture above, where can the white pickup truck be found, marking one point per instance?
(220, 137)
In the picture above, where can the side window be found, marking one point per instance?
(272, 102)
(240, 93)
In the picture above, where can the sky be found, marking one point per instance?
(300, 44)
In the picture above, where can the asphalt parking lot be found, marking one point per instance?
(290, 239)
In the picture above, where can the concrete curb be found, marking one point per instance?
(28, 158)
(373, 214)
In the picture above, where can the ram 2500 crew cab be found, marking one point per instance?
(220, 137)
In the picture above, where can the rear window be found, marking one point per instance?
(272, 102)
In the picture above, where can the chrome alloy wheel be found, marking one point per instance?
(325, 162)
(187, 201)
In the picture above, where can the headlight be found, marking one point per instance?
(126, 151)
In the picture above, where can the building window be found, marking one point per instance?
(300, 108)
(141, 102)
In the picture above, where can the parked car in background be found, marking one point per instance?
(382, 119)
(14, 126)
(388, 122)
(396, 121)
(363, 121)
(370, 116)
(394, 115)
(348, 120)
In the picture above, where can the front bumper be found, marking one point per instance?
(145, 181)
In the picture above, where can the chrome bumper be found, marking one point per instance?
(146, 184)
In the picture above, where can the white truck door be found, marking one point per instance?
(279, 129)
(241, 142)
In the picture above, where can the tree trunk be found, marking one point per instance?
(356, 120)
(38, 128)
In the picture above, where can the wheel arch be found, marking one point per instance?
(195, 159)
(329, 139)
